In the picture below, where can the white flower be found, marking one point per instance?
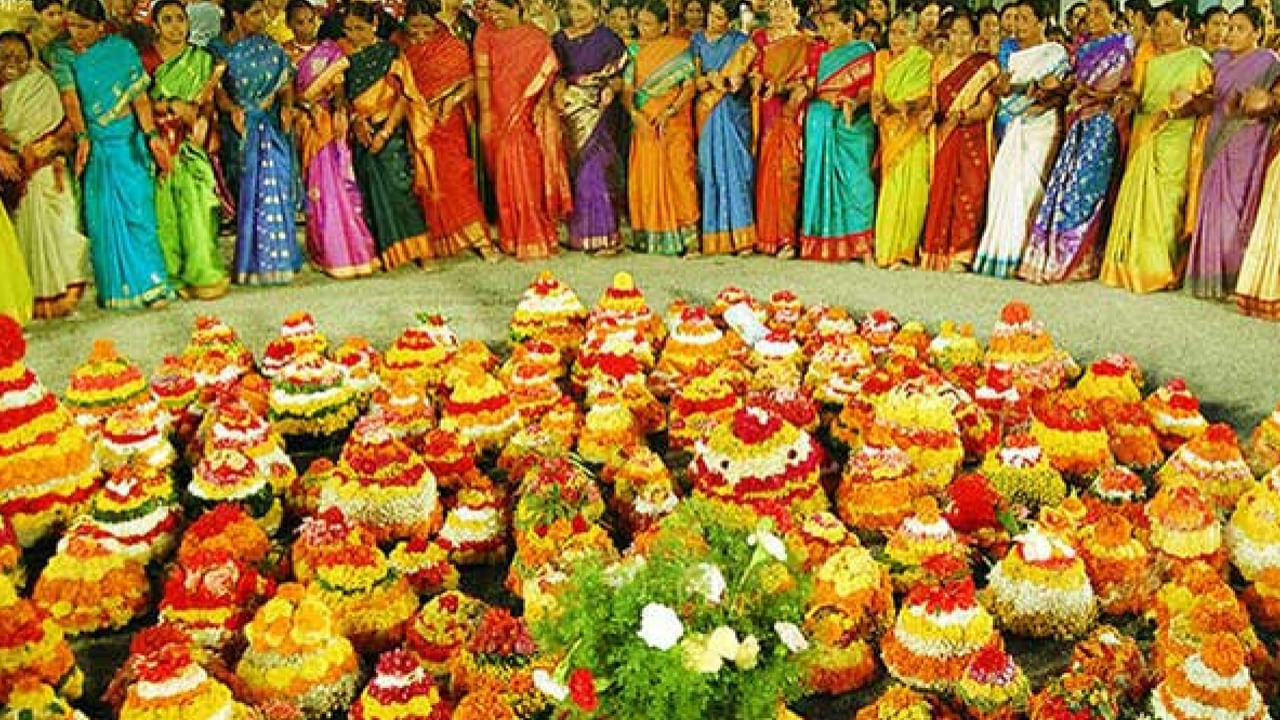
(697, 655)
(660, 627)
(624, 571)
(791, 636)
(548, 685)
(723, 641)
(707, 580)
(771, 543)
(748, 653)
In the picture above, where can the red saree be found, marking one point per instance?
(783, 65)
(961, 166)
(524, 147)
(441, 70)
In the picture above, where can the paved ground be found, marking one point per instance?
(1233, 362)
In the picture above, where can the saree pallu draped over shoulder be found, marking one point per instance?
(839, 194)
(961, 167)
(443, 70)
(1143, 250)
(1064, 237)
(47, 216)
(590, 66)
(726, 168)
(338, 238)
(376, 80)
(525, 149)
(1234, 167)
(663, 177)
(904, 156)
(781, 63)
(1258, 289)
(187, 206)
(119, 188)
(267, 251)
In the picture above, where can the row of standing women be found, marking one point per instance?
(780, 142)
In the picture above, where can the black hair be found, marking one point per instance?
(1008, 8)
(1111, 6)
(1037, 8)
(1255, 16)
(1145, 10)
(700, 3)
(20, 38)
(238, 7)
(960, 13)
(920, 5)
(912, 19)
(730, 8)
(984, 12)
(657, 8)
(88, 9)
(40, 5)
(1211, 11)
(1178, 10)
(297, 6)
(421, 7)
(1073, 7)
(366, 11)
(159, 5)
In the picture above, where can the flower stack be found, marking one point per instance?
(169, 682)
(296, 653)
(136, 513)
(425, 564)
(757, 460)
(481, 410)
(371, 603)
(998, 394)
(419, 356)
(1264, 444)
(407, 410)
(898, 703)
(624, 303)
(609, 429)
(1108, 653)
(879, 327)
(940, 628)
(878, 487)
(700, 405)
(1263, 599)
(104, 383)
(452, 459)
(1253, 532)
(299, 336)
(32, 644)
(1075, 696)
(539, 353)
(823, 535)
(216, 355)
(1021, 472)
(234, 424)
(136, 434)
(643, 490)
(47, 465)
(1184, 526)
(777, 355)
(1041, 588)
(1115, 376)
(88, 588)
(361, 363)
(211, 595)
(792, 403)
(383, 484)
(785, 310)
(1188, 625)
(534, 390)
(229, 528)
(832, 372)
(1131, 435)
(443, 628)
(549, 310)
(227, 475)
(475, 528)
(1121, 490)
(923, 536)
(1213, 682)
(1119, 565)
(501, 657)
(32, 699)
(1175, 413)
(1212, 462)
(610, 355)
(174, 387)
(993, 687)
(695, 343)
(310, 397)
(1072, 435)
(922, 424)
(1023, 345)
(400, 689)
(958, 354)
(852, 606)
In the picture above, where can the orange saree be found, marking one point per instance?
(782, 66)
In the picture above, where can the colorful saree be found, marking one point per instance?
(47, 215)
(590, 64)
(1234, 167)
(187, 206)
(524, 149)
(725, 167)
(663, 189)
(1022, 162)
(1258, 289)
(442, 70)
(378, 79)
(839, 195)
(1143, 253)
(338, 240)
(783, 64)
(961, 166)
(119, 189)
(266, 232)
(1064, 236)
(16, 298)
(904, 156)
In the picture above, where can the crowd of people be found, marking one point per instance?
(1132, 145)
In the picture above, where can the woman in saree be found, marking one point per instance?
(1257, 291)
(658, 90)
(963, 102)
(726, 169)
(378, 86)
(901, 107)
(187, 208)
(515, 74)
(258, 75)
(1064, 242)
(17, 299)
(1029, 91)
(1143, 250)
(1234, 157)
(780, 80)
(591, 59)
(442, 70)
(114, 159)
(47, 216)
(839, 195)
(338, 239)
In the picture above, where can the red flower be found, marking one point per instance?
(14, 345)
(582, 689)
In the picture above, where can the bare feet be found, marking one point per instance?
(786, 253)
